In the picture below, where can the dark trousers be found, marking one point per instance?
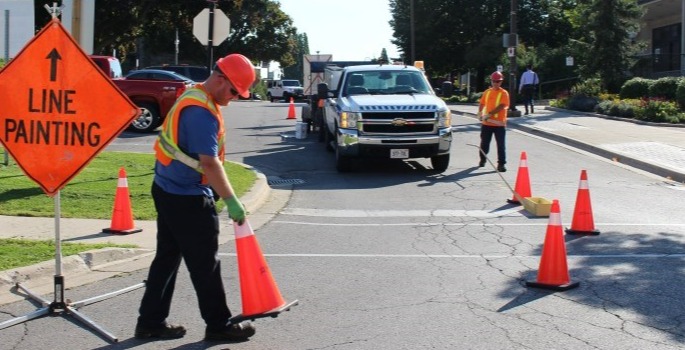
(188, 228)
(486, 132)
(527, 92)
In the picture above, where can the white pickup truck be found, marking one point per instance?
(384, 111)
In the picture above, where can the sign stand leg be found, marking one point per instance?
(58, 305)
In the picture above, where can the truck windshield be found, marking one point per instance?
(386, 83)
(291, 83)
(115, 69)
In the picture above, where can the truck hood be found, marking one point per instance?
(417, 102)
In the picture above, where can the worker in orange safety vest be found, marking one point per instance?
(189, 176)
(492, 112)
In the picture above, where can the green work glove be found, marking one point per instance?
(236, 210)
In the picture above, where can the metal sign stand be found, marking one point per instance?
(58, 305)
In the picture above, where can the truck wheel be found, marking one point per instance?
(342, 163)
(327, 138)
(307, 116)
(149, 118)
(268, 96)
(441, 162)
(318, 122)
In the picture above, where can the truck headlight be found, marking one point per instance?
(348, 120)
(444, 119)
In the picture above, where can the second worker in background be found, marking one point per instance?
(492, 112)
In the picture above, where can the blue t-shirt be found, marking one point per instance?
(197, 134)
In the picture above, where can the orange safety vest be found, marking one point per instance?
(499, 119)
(166, 145)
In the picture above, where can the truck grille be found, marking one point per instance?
(398, 122)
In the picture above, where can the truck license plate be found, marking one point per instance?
(399, 153)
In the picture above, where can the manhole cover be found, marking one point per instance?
(282, 182)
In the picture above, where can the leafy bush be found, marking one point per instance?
(636, 88)
(680, 93)
(658, 110)
(588, 88)
(664, 88)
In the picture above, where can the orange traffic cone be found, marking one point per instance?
(258, 290)
(553, 271)
(291, 110)
(522, 181)
(122, 216)
(583, 222)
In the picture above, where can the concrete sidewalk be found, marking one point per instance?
(653, 147)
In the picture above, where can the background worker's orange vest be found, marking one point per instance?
(491, 99)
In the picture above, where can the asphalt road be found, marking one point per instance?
(395, 256)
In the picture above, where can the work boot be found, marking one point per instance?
(526, 111)
(231, 332)
(481, 163)
(165, 331)
(501, 168)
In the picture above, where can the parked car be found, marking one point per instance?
(197, 73)
(157, 74)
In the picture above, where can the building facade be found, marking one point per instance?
(662, 30)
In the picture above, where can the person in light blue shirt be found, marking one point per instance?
(529, 80)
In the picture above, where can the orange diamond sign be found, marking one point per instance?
(57, 109)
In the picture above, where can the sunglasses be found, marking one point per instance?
(496, 81)
(233, 91)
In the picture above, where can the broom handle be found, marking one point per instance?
(518, 196)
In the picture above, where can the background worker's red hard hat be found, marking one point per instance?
(496, 76)
(239, 70)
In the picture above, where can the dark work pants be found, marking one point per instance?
(188, 228)
(528, 91)
(486, 133)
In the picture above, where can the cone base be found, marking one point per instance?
(513, 201)
(559, 287)
(578, 232)
(271, 313)
(122, 232)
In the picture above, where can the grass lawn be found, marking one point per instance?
(90, 195)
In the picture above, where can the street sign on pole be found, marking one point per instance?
(220, 28)
(58, 109)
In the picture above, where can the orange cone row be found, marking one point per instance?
(522, 187)
(122, 215)
(553, 272)
(258, 290)
(291, 110)
(583, 222)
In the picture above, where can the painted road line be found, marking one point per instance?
(351, 213)
(422, 224)
(473, 256)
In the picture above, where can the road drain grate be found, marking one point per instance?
(285, 182)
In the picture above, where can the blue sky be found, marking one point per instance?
(350, 30)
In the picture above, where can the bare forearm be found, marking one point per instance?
(216, 176)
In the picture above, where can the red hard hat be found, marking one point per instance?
(239, 70)
(496, 76)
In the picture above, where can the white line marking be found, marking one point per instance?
(460, 224)
(334, 213)
(447, 256)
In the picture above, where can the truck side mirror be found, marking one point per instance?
(322, 90)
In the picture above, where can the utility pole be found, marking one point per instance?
(411, 30)
(512, 61)
(210, 37)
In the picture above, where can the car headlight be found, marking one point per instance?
(444, 118)
(348, 120)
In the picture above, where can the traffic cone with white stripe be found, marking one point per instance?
(553, 271)
(583, 222)
(291, 110)
(258, 290)
(122, 216)
(522, 181)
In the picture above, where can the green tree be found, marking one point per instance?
(296, 71)
(603, 31)
(146, 30)
(384, 56)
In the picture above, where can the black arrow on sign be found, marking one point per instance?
(53, 56)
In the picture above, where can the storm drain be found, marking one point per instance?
(283, 182)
